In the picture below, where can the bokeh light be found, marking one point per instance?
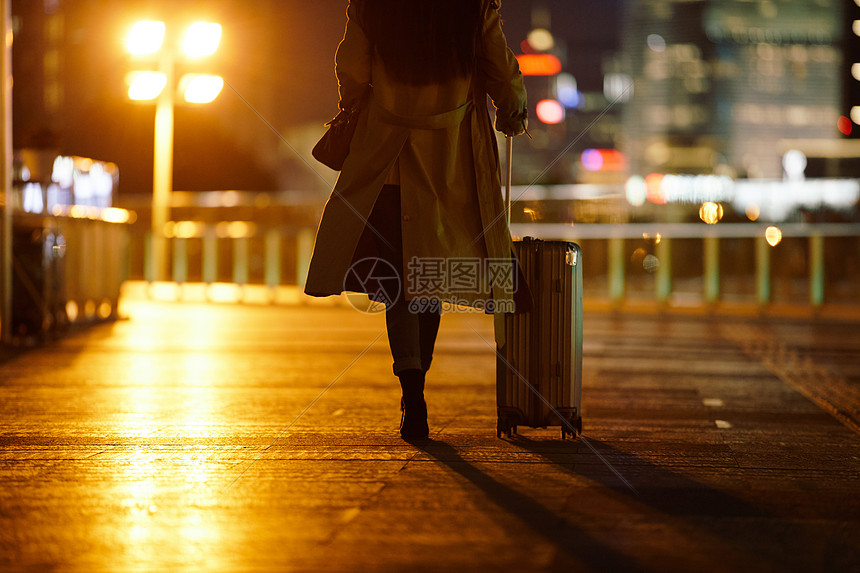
(592, 160)
(794, 163)
(711, 212)
(635, 191)
(541, 40)
(656, 43)
(773, 236)
(566, 91)
(539, 64)
(650, 263)
(72, 311)
(550, 111)
(654, 189)
(753, 212)
(843, 124)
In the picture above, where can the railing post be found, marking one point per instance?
(273, 258)
(762, 270)
(6, 174)
(210, 254)
(664, 270)
(816, 270)
(712, 269)
(180, 260)
(148, 261)
(240, 261)
(304, 248)
(615, 249)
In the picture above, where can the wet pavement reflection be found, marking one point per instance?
(234, 438)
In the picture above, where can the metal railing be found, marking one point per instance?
(764, 239)
(66, 269)
(670, 263)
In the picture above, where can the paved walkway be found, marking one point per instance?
(255, 438)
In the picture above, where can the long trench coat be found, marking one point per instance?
(439, 141)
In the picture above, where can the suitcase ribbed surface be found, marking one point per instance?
(539, 369)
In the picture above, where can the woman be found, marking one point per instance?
(420, 189)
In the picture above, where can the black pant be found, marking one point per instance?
(411, 330)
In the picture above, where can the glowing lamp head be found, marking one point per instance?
(145, 85)
(201, 39)
(201, 88)
(145, 37)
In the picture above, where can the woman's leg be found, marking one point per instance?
(411, 332)
(412, 335)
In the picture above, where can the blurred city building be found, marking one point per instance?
(720, 86)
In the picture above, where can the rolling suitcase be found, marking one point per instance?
(539, 367)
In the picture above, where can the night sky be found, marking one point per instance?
(278, 54)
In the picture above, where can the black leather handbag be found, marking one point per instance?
(333, 147)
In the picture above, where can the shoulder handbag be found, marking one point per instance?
(333, 147)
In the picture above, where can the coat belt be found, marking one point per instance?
(435, 121)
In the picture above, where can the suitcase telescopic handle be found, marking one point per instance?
(509, 149)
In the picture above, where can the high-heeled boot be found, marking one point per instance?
(413, 423)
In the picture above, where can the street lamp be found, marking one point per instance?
(146, 41)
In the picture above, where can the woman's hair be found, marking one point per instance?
(422, 42)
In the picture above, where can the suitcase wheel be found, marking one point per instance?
(505, 427)
(577, 424)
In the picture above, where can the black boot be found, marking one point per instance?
(413, 424)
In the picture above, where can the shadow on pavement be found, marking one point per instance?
(776, 540)
(660, 487)
(548, 524)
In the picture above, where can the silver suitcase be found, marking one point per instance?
(539, 368)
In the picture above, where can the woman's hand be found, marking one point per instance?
(514, 125)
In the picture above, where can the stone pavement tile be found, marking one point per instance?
(243, 438)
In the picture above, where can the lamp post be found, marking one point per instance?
(146, 41)
(6, 173)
